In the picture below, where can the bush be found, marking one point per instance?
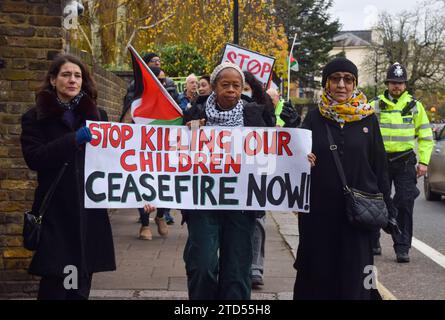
(180, 60)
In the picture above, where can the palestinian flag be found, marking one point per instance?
(276, 82)
(293, 63)
(152, 103)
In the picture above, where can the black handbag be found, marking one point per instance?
(32, 223)
(363, 209)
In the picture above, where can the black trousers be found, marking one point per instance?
(403, 175)
(52, 288)
(145, 217)
(218, 255)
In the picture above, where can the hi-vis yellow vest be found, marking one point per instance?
(400, 132)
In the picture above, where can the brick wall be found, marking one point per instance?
(31, 34)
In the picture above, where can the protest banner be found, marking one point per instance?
(258, 64)
(129, 165)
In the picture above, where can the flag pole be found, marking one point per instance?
(288, 67)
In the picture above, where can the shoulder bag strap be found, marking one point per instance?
(50, 193)
(333, 148)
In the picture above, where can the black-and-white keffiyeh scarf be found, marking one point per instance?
(73, 103)
(230, 118)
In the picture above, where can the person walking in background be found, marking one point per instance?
(204, 87)
(403, 121)
(54, 137)
(253, 91)
(278, 105)
(153, 61)
(160, 219)
(204, 90)
(190, 93)
(333, 253)
(170, 86)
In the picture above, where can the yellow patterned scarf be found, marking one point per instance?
(355, 109)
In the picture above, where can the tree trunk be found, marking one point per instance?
(96, 40)
(120, 37)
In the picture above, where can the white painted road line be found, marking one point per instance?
(431, 253)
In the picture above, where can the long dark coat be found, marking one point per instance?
(332, 253)
(71, 234)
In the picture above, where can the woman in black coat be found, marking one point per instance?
(54, 134)
(334, 257)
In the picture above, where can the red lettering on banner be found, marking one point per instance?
(111, 136)
(230, 163)
(159, 134)
(194, 139)
(167, 167)
(179, 141)
(272, 147)
(97, 136)
(283, 141)
(124, 163)
(223, 145)
(200, 163)
(127, 134)
(146, 138)
(209, 142)
(158, 162)
(105, 126)
(215, 160)
(144, 162)
(243, 57)
(231, 56)
(266, 69)
(188, 162)
(167, 146)
(258, 143)
(254, 66)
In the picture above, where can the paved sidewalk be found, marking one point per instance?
(155, 269)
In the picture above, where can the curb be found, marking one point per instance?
(170, 295)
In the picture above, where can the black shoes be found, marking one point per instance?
(377, 251)
(402, 257)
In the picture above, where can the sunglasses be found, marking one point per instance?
(346, 79)
(155, 60)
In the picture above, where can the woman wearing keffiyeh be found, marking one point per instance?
(218, 253)
(333, 254)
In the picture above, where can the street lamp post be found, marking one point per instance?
(235, 22)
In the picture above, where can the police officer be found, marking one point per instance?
(403, 120)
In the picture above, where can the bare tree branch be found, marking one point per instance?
(86, 38)
(133, 34)
(417, 40)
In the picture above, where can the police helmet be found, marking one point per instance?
(396, 73)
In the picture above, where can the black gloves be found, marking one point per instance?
(392, 228)
(290, 116)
